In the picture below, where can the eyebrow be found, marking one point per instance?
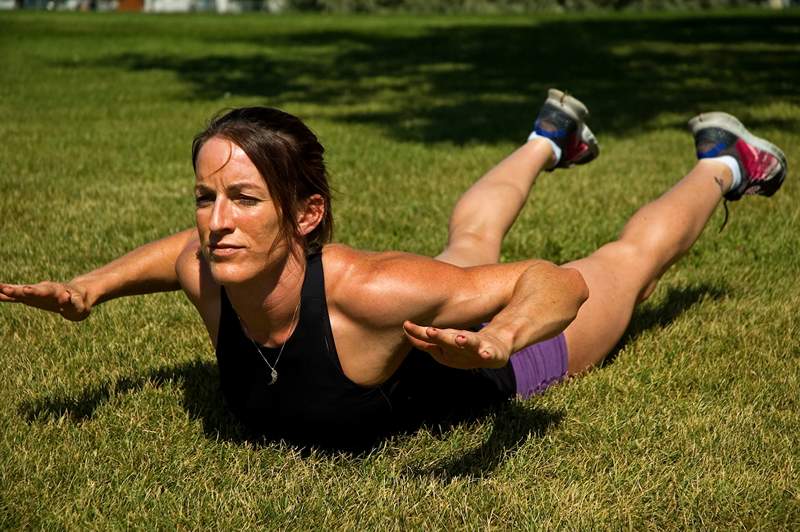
(237, 186)
(242, 185)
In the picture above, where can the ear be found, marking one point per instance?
(310, 214)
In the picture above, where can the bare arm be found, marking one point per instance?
(524, 302)
(544, 300)
(149, 268)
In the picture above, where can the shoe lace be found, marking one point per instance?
(725, 220)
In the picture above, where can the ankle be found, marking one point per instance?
(547, 149)
(723, 172)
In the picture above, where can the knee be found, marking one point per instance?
(651, 259)
(636, 267)
(473, 248)
(656, 243)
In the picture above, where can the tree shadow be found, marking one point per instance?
(466, 82)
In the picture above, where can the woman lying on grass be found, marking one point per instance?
(324, 344)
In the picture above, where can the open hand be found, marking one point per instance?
(67, 299)
(459, 348)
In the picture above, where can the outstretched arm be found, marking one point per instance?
(149, 268)
(545, 299)
(524, 302)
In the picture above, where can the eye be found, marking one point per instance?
(247, 201)
(203, 200)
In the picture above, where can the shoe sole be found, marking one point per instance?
(571, 105)
(732, 124)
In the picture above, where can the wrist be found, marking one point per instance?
(88, 287)
(506, 333)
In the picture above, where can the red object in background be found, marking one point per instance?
(130, 5)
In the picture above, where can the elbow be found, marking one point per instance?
(581, 287)
(577, 288)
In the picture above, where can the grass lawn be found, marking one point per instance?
(117, 422)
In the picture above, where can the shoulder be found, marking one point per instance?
(343, 261)
(196, 282)
(188, 268)
(351, 269)
(339, 259)
(370, 285)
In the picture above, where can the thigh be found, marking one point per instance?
(616, 276)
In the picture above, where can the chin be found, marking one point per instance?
(229, 274)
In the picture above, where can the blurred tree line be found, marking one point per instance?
(509, 6)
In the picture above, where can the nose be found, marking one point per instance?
(221, 216)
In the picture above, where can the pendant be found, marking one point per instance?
(274, 375)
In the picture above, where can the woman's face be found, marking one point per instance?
(236, 218)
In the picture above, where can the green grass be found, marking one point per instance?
(117, 422)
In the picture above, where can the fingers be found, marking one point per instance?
(44, 289)
(417, 336)
(54, 297)
(457, 348)
(415, 331)
(78, 303)
(7, 293)
(10, 292)
(46, 295)
(443, 337)
(438, 342)
(430, 335)
(425, 346)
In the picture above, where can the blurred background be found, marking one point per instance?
(385, 6)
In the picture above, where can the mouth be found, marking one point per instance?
(223, 250)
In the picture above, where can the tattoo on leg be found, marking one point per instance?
(720, 184)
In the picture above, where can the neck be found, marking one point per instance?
(267, 305)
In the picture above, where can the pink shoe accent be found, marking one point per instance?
(758, 165)
(575, 152)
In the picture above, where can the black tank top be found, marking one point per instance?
(313, 402)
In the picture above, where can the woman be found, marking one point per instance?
(328, 345)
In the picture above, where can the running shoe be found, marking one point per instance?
(762, 164)
(562, 120)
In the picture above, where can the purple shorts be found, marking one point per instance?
(540, 365)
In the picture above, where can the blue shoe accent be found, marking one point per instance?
(561, 120)
(713, 151)
(554, 135)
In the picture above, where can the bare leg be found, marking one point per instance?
(624, 272)
(487, 210)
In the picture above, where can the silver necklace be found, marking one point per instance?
(273, 372)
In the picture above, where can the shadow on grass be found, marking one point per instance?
(202, 398)
(467, 82)
(676, 302)
(513, 423)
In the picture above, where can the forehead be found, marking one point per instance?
(220, 158)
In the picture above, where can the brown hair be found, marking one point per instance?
(288, 156)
